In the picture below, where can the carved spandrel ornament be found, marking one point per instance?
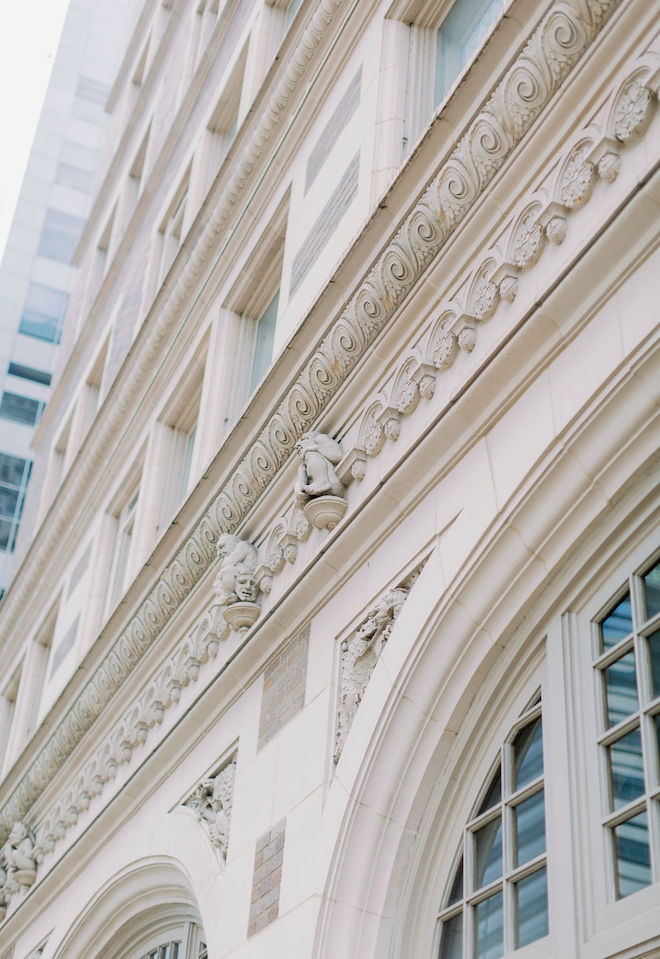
(359, 656)
(212, 803)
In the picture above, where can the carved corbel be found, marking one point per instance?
(371, 435)
(577, 177)
(443, 342)
(405, 392)
(506, 278)
(527, 238)
(211, 631)
(606, 159)
(390, 420)
(353, 466)
(632, 110)
(484, 296)
(553, 221)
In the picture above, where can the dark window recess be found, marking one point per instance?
(20, 409)
(43, 313)
(29, 373)
(60, 235)
(12, 469)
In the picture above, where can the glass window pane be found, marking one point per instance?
(263, 348)
(8, 501)
(531, 908)
(489, 939)
(652, 591)
(616, 624)
(11, 469)
(493, 796)
(5, 535)
(656, 720)
(20, 409)
(529, 828)
(29, 373)
(528, 754)
(621, 689)
(60, 235)
(43, 313)
(488, 853)
(633, 864)
(653, 642)
(626, 770)
(460, 36)
(451, 938)
(456, 893)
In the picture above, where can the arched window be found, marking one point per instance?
(183, 940)
(626, 641)
(496, 900)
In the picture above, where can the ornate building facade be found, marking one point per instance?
(336, 631)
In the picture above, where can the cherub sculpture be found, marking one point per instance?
(316, 474)
(235, 580)
(18, 855)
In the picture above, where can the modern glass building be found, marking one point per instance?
(36, 274)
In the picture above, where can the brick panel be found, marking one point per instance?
(265, 901)
(284, 687)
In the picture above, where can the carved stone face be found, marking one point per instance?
(244, 586)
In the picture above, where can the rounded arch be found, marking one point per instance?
(143, 899)
(478, 645)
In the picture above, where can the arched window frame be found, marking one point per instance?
(505, 792)
(175, 936)
(625, 647)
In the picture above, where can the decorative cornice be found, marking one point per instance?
(545, 61)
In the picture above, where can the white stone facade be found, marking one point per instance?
(364, 487)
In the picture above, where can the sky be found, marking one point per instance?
(28, 42)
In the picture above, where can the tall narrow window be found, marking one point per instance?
(444, 38)
(7, 715)
(43, 313)
(223, 124)
(462, 32)
(263, 346)
(496, 900)
(119, 575)
(180, 419)
(172, 228)
(14, 477)
(627, 641)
